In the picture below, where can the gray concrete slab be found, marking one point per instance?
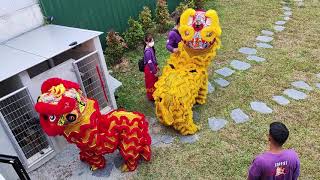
(216, 124)
(246, 50)
(295, 94)
(281, 100)
(222, 82)
(302, 85)
(239, 116)
(261, 107)
(240, 65)
(256, 58)
(226, 72)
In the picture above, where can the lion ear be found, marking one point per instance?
(49, 83)
(185, 17)
(213, 19)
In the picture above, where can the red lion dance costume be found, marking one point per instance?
(65, 111)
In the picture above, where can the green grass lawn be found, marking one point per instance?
(227, 154)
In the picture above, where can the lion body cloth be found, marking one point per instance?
(184, 80)
(65, 111)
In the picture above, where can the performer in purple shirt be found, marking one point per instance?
(151, 70)
(174, 38)
(277, 163)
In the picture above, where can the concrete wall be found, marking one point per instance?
(6, 148)
(10, 85)
(18, 16)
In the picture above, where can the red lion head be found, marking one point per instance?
(60, 103)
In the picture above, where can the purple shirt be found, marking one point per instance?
(173, 40)
(268, 166)
(150, 60)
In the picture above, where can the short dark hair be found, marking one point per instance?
(148, 38)
(178, 20)
(279, 132)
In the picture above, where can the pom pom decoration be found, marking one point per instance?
(65, 111)
(184, 79)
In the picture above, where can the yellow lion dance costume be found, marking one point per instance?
(184, 80)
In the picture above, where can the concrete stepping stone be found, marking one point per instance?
(216, 124)
(155, 139)
(118, 161)
(261, 107)
(225, 71)
(286, 8)
(189, 139)
(210, 88)
(240, 65)
(222, 82)
(295, 94)
(152, 120)
(267, 32)
(264, 38)
(281, 100)
(288, 13)
(256, 58)
(239, 116)
(318, 85)
(196, 116)
(246, 50)
(167, 139)
(279, 28)
(318, 75)
(280, 23)
(286, 18)
(264, 45)
(302, 85)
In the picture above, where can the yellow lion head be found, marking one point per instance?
(199, 29)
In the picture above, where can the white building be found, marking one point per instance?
(31, 52)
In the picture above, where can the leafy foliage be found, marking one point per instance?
(115, 48)
(185, 4)
(145, 18)
(162, 16)
(134, 35)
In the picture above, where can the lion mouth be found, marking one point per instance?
(200, 44)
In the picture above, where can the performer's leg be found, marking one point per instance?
(203, 92)
(131, 160)
(94, 160)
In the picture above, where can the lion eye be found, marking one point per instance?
(71, 117)
(52, 118)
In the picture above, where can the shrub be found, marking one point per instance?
(199, 4)
(162, 16)
(134, 35)
(145, 18)
(185, 4)
(115, 48)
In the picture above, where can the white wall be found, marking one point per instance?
(18, 16)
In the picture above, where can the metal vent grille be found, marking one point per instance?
(19, 115)
(92, 79)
